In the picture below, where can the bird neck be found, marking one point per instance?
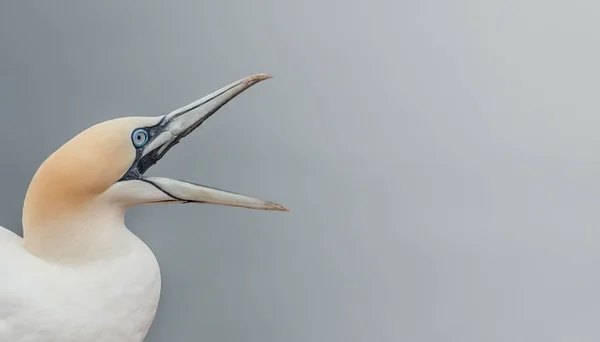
(95, 231)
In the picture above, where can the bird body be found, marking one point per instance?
(78, 273)
(114, 299)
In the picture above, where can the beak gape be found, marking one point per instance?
(161, 137)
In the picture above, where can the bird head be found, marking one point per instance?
(105, 166)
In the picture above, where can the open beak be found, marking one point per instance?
(167, 133)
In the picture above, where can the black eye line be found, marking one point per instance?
(150, 134)
(133, 172)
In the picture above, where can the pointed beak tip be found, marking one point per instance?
(264, 76)
(257, 78)
(279, 207)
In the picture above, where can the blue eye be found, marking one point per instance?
(139, 137)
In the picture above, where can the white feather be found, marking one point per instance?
(114, 299)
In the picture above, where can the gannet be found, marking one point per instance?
(79, 274)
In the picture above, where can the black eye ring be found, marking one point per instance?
(139, 137)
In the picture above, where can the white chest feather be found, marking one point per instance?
(110, 300)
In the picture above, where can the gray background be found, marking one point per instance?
(441, 159)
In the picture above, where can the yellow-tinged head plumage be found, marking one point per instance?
(81, 170)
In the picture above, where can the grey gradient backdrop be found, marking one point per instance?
(441, 159)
